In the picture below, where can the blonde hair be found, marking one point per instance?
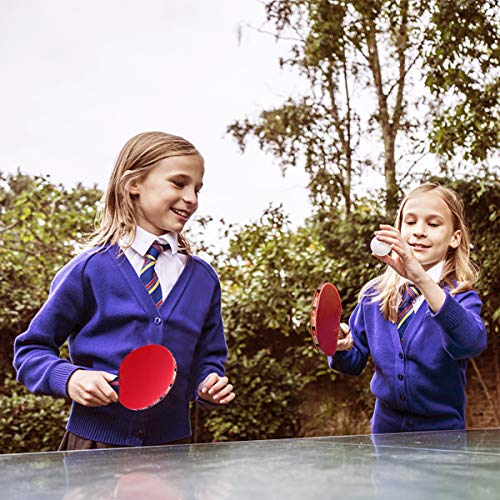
(459, 273)
(138, 157)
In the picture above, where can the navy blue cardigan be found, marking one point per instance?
(419, 383)
(98, 302)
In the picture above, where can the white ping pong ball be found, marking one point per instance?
(379, 248)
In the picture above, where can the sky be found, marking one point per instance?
(81, 78)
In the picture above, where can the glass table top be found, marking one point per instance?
(436, 465)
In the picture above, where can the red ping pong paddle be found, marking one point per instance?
(325, 314)
(146, 376)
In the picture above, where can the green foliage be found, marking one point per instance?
(268, 277)
(347, 242)
(30, 423)
(462, 73)
(268, 400)
(40, 226)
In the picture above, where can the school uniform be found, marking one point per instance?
(98, 302)
(419, 380)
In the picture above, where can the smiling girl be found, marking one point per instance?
(103, 305)
(420, 320)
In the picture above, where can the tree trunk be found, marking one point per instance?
(391, 187)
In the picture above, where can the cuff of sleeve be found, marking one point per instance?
(202, 402)
(338, 356)
(450, 315)
(60, 376)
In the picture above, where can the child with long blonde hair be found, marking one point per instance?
(420, 320)
(101, 304)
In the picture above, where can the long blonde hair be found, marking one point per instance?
(138, 157)
(459, 273)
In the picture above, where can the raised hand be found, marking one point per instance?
(402, 260)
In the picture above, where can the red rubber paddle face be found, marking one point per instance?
(146, 376)
(326, 310)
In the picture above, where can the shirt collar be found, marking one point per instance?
(434, 272)
(143, 241)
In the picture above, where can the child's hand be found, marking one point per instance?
(345, 342)
(216, 389)
(404, 261)
(91, 388)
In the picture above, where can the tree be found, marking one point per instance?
(363, 61)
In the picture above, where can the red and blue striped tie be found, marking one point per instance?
(148, 274)
(405, 309)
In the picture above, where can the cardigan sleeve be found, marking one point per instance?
(464, 333)
(36, 351)
(353, 362)
(211, 351)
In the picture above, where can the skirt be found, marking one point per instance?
(71, 441)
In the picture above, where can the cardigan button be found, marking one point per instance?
(402, 397)
(400, 376)
(400, 355)
(140, 434)
(157, 320)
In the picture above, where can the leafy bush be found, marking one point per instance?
(31, 423)
(40, 225)
(268, 402)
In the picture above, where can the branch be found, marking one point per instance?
(401, 50)
(275, 35)
(8, 228)
(412, 166)
(335, 112)
(374, 63)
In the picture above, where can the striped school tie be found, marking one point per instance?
(148, 274)
(405, 309)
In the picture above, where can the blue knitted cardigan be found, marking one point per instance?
(419, 382)
(98, 303)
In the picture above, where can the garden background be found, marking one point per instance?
(400, 92)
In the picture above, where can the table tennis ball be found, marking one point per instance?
(380, 248)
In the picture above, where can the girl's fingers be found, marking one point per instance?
(209, 381)
(91, 388)
(86, 398)
(216, 389)
(345, 344)
(228, 398)
(96, 398)
(104, 391)
(223, 392)
(343, 330)
(222, 382)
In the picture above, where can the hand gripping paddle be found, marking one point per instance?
(146, 376)
(325, 314)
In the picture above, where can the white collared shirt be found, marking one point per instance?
(170, 262)
(435, 273)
